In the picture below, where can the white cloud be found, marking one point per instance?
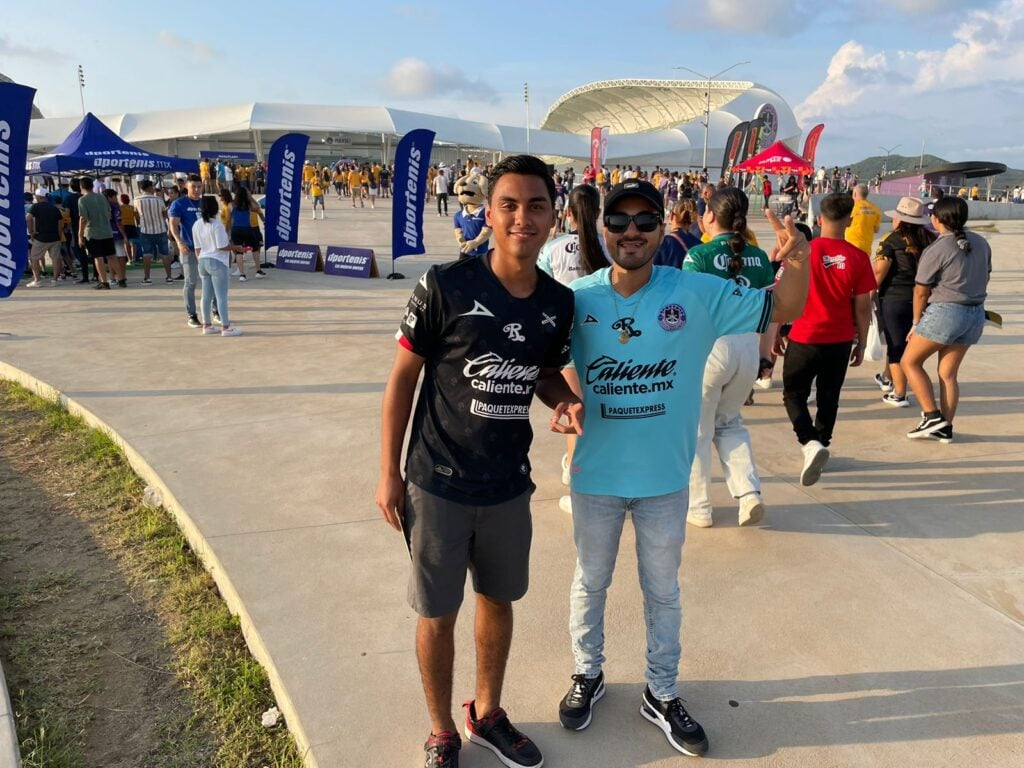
(192, 47)
(775, 17)
(15, 49)
(412, 78)
(850, 74)
(989, 45)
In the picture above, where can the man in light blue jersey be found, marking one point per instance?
(641, 337)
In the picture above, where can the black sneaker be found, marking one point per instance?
(102, 286)
(495, 732)
(442, 750)
(122, 283)
(193, 322)
(576, 709)
(928, 425)
(943, 435)
(682, 731)
(884, 383)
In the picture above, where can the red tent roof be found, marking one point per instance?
(778, 158)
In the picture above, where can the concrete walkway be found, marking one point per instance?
(876, 619)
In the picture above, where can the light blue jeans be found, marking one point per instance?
(190, 271)
(660, 525)
(214, 274)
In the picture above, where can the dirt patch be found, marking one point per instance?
(86, 647)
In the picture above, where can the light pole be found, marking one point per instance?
(526, 98)
(707, 101)
(81, 87)
(885, 163)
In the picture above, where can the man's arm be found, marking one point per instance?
(792, 248)
(175, 222)
(395, 411)
(862, 317)
(554, 392)
(30, 222)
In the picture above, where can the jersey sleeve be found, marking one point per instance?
(557, 354)
(735, 308)
(929, 268)
(421, 326)
(887, 247)
(693, 261)
(544, 260)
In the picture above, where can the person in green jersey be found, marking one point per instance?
(732, 365)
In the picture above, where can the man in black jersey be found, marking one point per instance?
(487, 334)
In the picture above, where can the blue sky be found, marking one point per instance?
(947, 73)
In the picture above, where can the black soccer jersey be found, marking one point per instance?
(484, 351)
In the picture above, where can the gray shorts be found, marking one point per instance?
(445, 538)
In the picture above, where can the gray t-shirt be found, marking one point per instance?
(956, 277)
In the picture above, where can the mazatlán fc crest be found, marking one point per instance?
(672, 317)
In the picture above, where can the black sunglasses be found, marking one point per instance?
(619, 222)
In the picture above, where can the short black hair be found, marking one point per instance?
(145, 185)
(194, 177)
(523, 165)
(86, 182)
(836, 206)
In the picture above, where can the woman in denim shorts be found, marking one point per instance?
(949, 313)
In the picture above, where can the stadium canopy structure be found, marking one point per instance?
(652, 122)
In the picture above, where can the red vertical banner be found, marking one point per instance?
(595, 148)
(811, 143)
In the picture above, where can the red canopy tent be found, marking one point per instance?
(778, 158)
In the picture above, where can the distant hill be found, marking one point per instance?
(868, 167)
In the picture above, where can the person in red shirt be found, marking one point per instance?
(829, 335)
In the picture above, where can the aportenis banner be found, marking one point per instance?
(284, 188)
(15, 114)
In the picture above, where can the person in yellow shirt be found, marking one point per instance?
(866, 220)
(355, 186)
(316, 194)
(204, 175)
(339, 181)
(308, 172)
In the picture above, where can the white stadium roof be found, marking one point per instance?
(651, 122)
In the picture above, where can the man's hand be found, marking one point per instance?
(573, 413)
(857, 355)
(790, 244)
(390, 500)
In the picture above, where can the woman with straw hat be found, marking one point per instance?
(895, 267)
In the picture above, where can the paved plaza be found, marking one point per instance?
(874, 619)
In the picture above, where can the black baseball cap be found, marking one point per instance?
(634, 188)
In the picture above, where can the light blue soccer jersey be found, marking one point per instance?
(640, 363)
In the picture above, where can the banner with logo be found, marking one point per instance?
(595, 148)
(284, 188)
(350, 262)
(732, 147)
(412, 159)
(811, 143)
(604, 145)
(15, 114)
(299, 257)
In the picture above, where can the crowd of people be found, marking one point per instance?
(645, 344)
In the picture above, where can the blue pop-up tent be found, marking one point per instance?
(94, 148)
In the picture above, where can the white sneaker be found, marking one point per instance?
(751, 509)
(763, 383)
(565, 504)
(565, 469)
(242, 278)
(231, 331)
(815, 457)
(33, 284)
(701, 519)
(235, 272)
